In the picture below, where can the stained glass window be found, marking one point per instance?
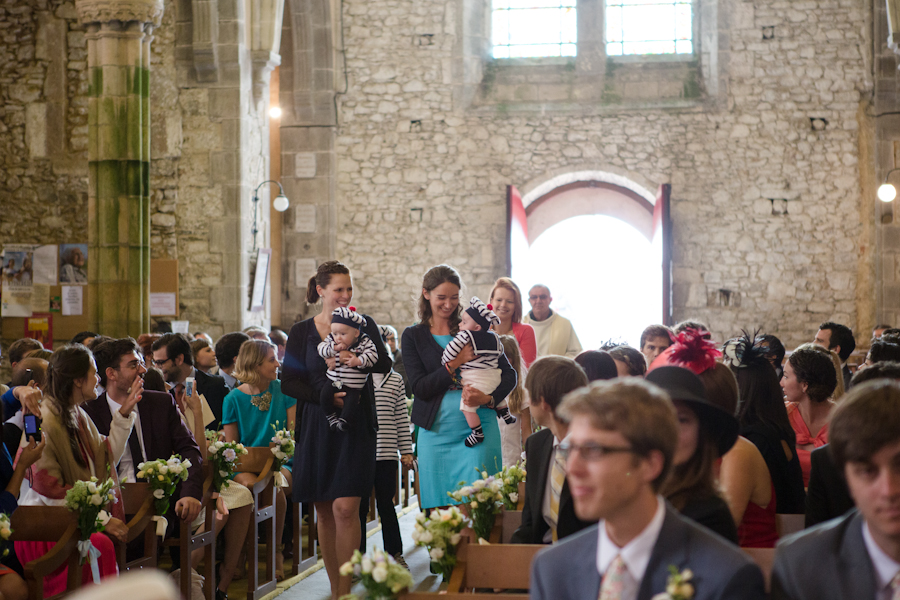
(649, 27)
(529, 28)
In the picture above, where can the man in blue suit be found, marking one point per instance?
(622, 437)
(856, 555)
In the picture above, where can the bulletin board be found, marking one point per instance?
(163, 279)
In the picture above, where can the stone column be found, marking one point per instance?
(118, 33)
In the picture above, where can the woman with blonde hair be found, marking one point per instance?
(506, 300)
(253, 411)
(513, 436)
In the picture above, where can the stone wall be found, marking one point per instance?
(765, 176)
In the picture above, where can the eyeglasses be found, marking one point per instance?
(160, 363)
(590, 452)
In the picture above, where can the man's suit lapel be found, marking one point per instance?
(858, 579)
(670, 549)
(545, 453)
(101, 414)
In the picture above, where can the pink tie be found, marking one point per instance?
(613, 580)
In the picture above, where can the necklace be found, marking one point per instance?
(261, 401)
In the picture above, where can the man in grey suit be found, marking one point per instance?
(622, 437)
(856, 555)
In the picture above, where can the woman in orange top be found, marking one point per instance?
(808, 382)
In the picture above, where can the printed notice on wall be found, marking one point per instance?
(18, 280)
(45, 267)
(72, 300)
(163, 305)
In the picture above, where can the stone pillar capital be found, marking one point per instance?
(104, 11)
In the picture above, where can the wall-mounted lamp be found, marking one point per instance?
(275, 112)
(886, 191)
(280, 203)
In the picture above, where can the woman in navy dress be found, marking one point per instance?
(332, 469)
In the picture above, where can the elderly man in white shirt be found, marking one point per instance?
(621, 440)
(553, 332)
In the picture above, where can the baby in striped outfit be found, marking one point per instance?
(483, 371)
(348, 375)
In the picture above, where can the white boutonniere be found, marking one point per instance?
(678, 586)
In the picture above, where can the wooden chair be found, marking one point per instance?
(48, 524)
(187, 542)
(304, 557)
(493, 566)
(510, 521)
(765, 559)
(404, 481)
(137, 500)
(788, 524)
(260, 461)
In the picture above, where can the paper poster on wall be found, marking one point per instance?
(40, 298)
(73, 264)
(56, 304)
(18, 278)
(163, 305)
(45, 265)
(40, 328)
(181, 326)
(72, 300)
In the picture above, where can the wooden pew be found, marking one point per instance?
(188, 542)
(48, 524)
(137, 500)
(260, 461)
(510, 521)
(788, 524)
(493, 566)
(304, 556)
(765, 559)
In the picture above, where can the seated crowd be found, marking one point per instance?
(645, 465)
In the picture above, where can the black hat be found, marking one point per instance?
(681, 384)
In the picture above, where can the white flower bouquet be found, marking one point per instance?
(284, 446)
(483, 501)
(5, 530)
(381, 575)
(511, 478)
(163, 476)
(223, 456)
(87, 498)
(440, 534)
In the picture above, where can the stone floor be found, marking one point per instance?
(316, 587)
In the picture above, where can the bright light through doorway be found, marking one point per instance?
(603, 275)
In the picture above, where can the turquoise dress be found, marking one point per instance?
(444, 459)
(255, 426)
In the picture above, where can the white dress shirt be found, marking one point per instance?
(885, 566)
(545, 505)
(635, 554)
(126, 467)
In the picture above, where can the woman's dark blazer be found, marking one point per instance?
(297, 382)
(429, 379)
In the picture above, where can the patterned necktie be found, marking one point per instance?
(557, 479)
(613, 580)
(895, 587)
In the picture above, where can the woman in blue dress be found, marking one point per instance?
(444, 459)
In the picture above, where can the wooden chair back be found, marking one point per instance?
(137, 501)
(304, 556)
(765, 559)
(260, 461)
(506, 566)
(520, 505)
(48, 524)
(510, 521)
(187, 542)
(788, 524)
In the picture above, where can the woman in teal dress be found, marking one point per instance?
(444, 459)
(252, 411)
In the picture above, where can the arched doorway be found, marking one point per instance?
(600, 243)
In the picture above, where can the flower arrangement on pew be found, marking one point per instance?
(511, 478)
(163, 476)
(283, 451)
(483, 501)
(440, 534)
(5, 531)
(382, 577)
(223, 456)
(87, 499)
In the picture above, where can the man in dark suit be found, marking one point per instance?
(839, 338)
(172, 354)
(856, 555)
(158, 431)
(621, 441)
(548, 514)
(827, 496)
